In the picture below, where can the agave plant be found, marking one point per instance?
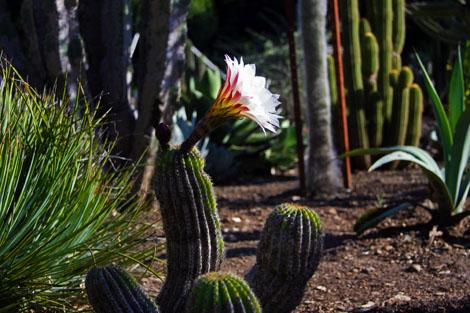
(450, 184)
(59, 207)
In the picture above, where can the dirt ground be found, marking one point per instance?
(402, 266)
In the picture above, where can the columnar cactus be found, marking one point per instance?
(401, 108)
(288, 254)
(193, 237)
(381, 37)
(112, 290)
(353, 80)
(413, 131)
(222, 292)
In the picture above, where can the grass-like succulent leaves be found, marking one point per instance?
(56, 200)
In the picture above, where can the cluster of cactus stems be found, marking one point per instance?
(288, 254)
(383, 111)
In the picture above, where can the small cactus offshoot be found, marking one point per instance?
(112, 290)
(288, 254)
(222, 292)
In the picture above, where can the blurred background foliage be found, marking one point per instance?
(257, 31)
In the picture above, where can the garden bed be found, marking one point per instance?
(403, 266)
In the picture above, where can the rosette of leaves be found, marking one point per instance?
(59, 207)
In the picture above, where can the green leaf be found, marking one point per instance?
(400, 155)
(374, 216)
(456, 93)
(444, 129)
(416, 152)
(460, 156)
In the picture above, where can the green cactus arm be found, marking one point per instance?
(413, 132)
(349, 15)
(192, 227)
(288, 254)
(111, 289)
(398, 31)
(221, 292)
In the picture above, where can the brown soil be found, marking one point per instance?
(404, 265)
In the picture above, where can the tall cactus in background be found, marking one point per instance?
(401, 107)
(414, 118)
(288, 254)
(353, 80)
(385, 96)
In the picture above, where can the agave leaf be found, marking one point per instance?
(456, 93)
(463, 192)
(400, 155)
(440, 115)
(376, 215)
(417, 153)
(440, 191)
(460, 157)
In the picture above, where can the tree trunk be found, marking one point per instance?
(323, 175)
(106, 31)
(161, 64)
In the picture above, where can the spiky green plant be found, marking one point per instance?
(111, 289)
(56, 200)
(288, 254)
(222, 292)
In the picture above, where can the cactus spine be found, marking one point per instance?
(112, 290)
(222, 292)
(288, 254)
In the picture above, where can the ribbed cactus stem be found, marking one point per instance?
(288, 254)
(413, 132)
(222, 292)
(334, 97)
(398, 27)
(394, 77)
(375, 117)
(401, 107)
(396, 61)
(370, 62)
(193, 237)
(364, 27)
(112, 290)
(353, 80)
(383, 30)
